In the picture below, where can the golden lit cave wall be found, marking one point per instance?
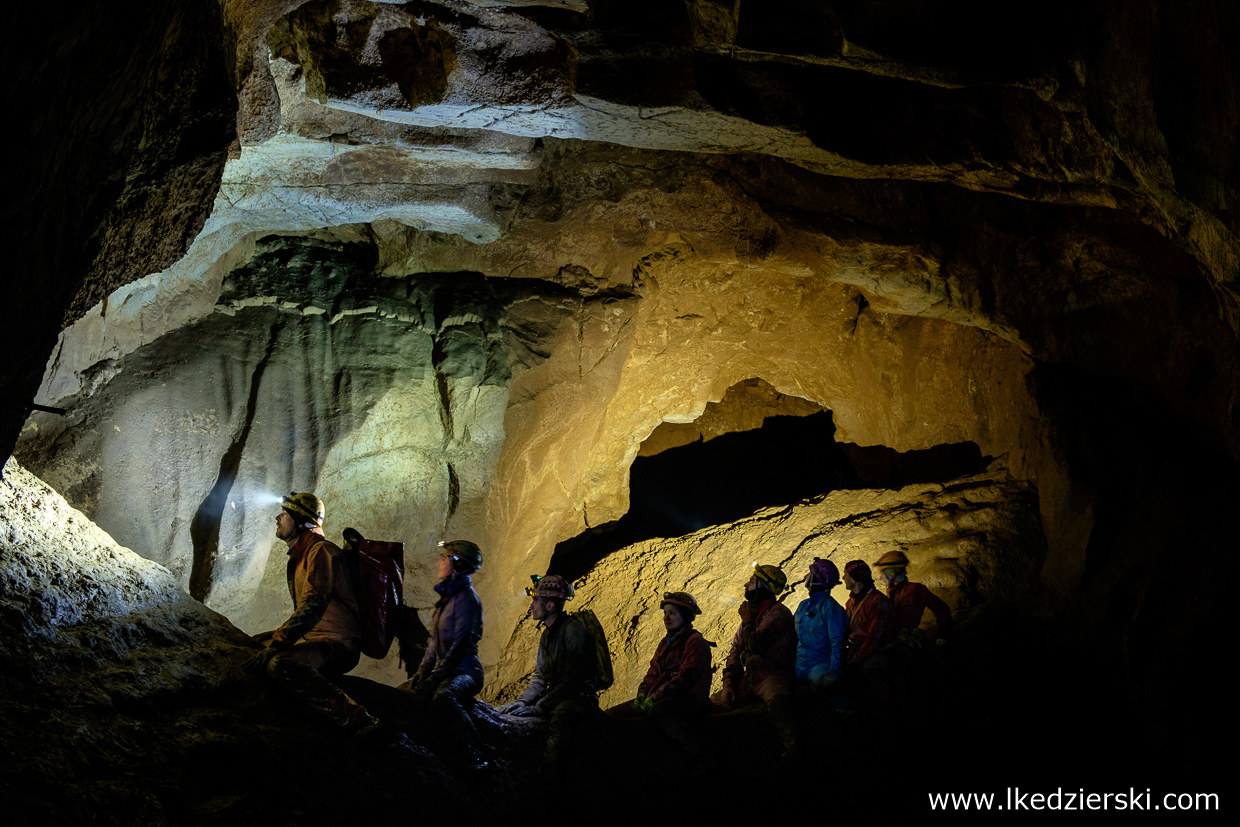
(545, 456)
(575, 423)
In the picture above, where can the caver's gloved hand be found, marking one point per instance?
(425, 689)
(516, 709)
(822, 677)
(257, 663)
(415, 680)
(642, 704)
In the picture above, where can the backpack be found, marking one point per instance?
(603, 676)
(378, 569)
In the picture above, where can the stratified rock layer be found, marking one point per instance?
(466, 260)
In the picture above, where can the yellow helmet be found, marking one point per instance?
(305, 507)
(772, 577)
(892, 559)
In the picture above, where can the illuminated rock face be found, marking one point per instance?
(974, 542)
(443, 405)
(69, 588)
(466, 263)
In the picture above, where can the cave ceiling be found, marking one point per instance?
(461, 261)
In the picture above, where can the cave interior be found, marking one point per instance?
(639, 293)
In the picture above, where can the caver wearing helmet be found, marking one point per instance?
(681, 665)
(321, 638)
(676, 689)
(465, 556)
(822, 627)
(868, 664)
(561, 688)
(306, 509)
(870, 617)
(910, 601)
(450, 674)
(550, 587)
(762, 661)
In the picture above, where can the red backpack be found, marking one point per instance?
(379, 582)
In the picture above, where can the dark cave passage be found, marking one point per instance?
(790, 458)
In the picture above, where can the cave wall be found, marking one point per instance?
(975, 541)
(127, 118)
(527, 235)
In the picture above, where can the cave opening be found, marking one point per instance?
(788, 458)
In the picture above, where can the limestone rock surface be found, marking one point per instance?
(976, 542)
(466, 261)
(61, 571)
(125, 701)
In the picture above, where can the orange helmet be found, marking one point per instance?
(682, 600)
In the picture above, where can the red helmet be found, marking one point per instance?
(552, 586)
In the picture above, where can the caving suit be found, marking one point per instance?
(562, 687)
(450, 668)
(871, 628)
(911, 601)
(678, 685)
(762, 662)
(871, 622)
(322, 636)
(822, 629)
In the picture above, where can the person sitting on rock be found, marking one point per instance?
(761, 663)
(871, 619)
(562, 687)
(910, 601)
(322, 638)
(871, 622)
(822, 627)
(450, 674)
(676, 689)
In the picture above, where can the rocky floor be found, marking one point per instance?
(231, 754)
(122, 701)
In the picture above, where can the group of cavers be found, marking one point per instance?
(835, 653)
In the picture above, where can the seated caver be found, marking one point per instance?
(676, 689)
(761, 663)
(561, 689)
(910, 601)
(450, 674)
(871, 623)
(321, 638)
(871, 619)
(822, 627)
